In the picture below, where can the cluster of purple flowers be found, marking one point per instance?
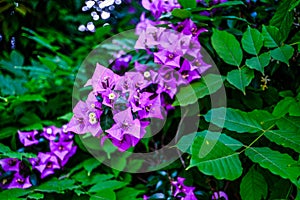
(61, 150)
(142, 94)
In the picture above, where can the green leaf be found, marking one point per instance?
(185, 141)
(36, 196)
(283, 53)
(7, 152)
(289, 123)
(129, 193)
(104, 195)
(57, 186)
(240, 78)
(271, 36)
(13, 194)
(278, 163)
(259, 62)
(282, 107)
(17, 58)
(7, 132)
(188, 3)
(283, 18)
(181, 13)
(294, 4)
(253, 186)
(221, 161)
(281, 189)
(228, 3)
(107, 185)
(227, 47)
(235, 120)
(91, 164)
(252, 41)
(285, 138)
(207, 85)
(295, 109)
(66, 117)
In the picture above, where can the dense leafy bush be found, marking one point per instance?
(222, 74)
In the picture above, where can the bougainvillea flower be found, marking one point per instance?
(187, 73)
(19, 181)
(151, 108)
(28, 138)
(188, 27)
(45, 163)
(219, 195)
(181, 188)
(157, 7)
(85, 120)
(102, 79)
(10, 164)
(122, 63)
(167, 58)
(60, 148)
(68, 156)
(125, 124)
(125, 143)
(65, 135)
(51, 132)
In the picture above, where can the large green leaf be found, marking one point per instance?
(188, 3)
(283, 18)
(283, 106)
(207, 85)
(252, 41)
(227, 47)
(57, 186)
(221, 161)
(253, 186)
(271, 36)
(235, 120)
(285, 138)
(181, 13)
(278, 163)
(259, 62)
(185, 142)
(289, 123)
(283, 53)
(107, 185)
(240, 78)
(104, 195)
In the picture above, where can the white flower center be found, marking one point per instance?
(111, 96)
(147, 74)
(49, 131)
(92, 115)
(93, 120)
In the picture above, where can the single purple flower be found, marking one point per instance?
(68, 156)
(19, 181)
(60, 148)
(10, 164)
(28, 138)
(187, 73)
(65, 135)
(102, 79)
(51, 132)
(188, 27)
(181, 188)
(125, 143)
(45, 163)
(125, 125)
(167, 58)
(219, 195)
(152, 108)
(122, 63)
(85, 120)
